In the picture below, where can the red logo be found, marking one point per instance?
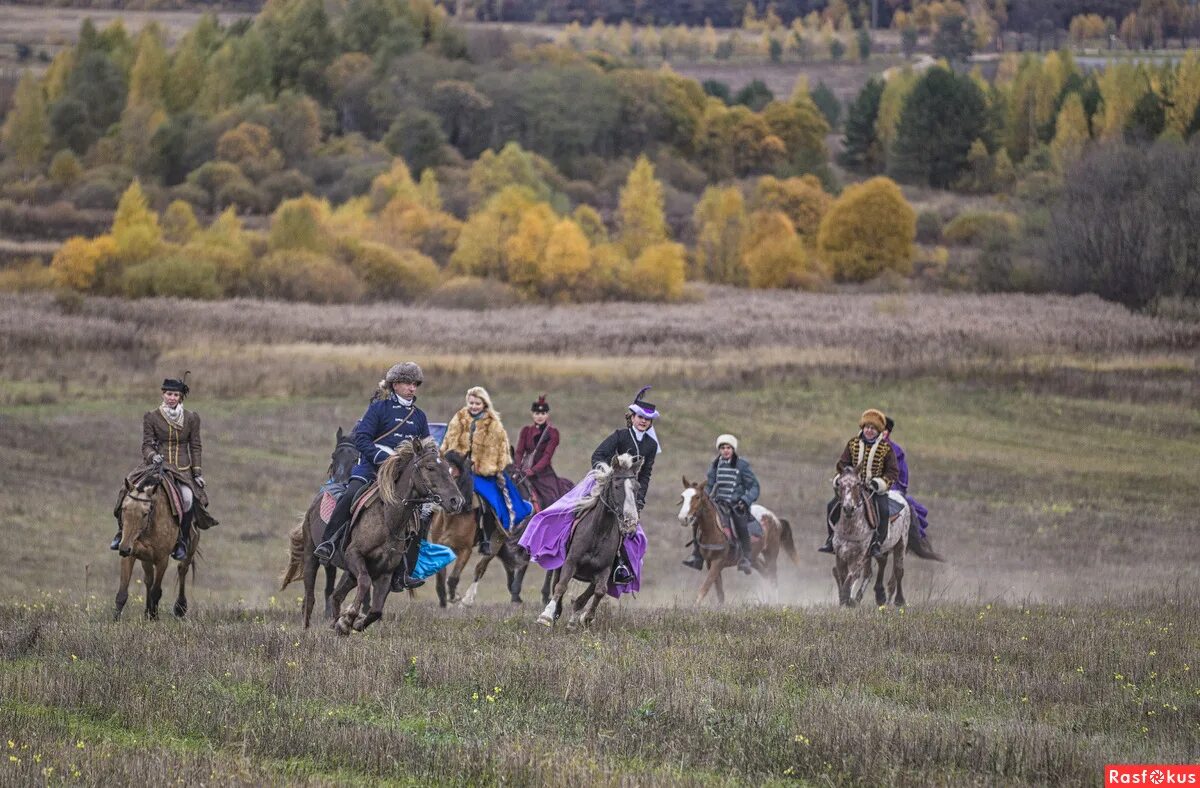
(1151, 774)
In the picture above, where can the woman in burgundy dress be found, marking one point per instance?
(535, 451)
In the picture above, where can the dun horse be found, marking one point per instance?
(303, 562)
(458, 531)
(414, 475)
(601, 520)
(719, 551)
(149, 531)
(852, 541)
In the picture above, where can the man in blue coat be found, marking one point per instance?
(391, 418)
(734, 488)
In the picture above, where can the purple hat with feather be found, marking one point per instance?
(643, 408)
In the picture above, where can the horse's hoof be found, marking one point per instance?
(180, 609)
(546, 621)
(881, 599)
(518, 601)
(341, 627)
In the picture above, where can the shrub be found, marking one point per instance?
(285, 185)
(929, 227)
(973, 226)
(99, 195)
(301, 224)
(302, 275)
(869, 229)
(241, 195)
(403, 274)
(30, 275)
(179, 222)
(174, 275)
(658, 273)
(475, 293)
(80, 263)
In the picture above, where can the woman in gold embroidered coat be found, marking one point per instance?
(876, 464)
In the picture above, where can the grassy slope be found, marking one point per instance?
(1065, 495)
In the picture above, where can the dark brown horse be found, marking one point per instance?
(601, 520)
(149, 531)
(302, 561)
(697, 510)
(416, 474)
(458, 531)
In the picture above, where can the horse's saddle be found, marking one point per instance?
(726, 517)
(896, 505)
(170, 484)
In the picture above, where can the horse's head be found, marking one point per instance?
(849, 490)
(432, 480)
(690, 501)
(622, 491)
(137, 513)
(343, 458)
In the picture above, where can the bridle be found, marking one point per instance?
(414, 469)
(606, 493)
(148, 517)
(859, 497)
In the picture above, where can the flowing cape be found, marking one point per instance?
(549, 530)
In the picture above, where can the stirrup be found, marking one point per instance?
(180, 552)
(324, 551)
(694, 562)
(622, 575)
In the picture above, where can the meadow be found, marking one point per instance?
(1052, 438)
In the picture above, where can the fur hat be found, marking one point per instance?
(727, 439)
(404, 372)
(874, 418)
(541, 406)
(481, 392)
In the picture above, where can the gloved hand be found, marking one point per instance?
(200, 481)
(156, 459)
(879, 484)
(741, 507)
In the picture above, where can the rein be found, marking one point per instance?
(708, 503)
(605, 502)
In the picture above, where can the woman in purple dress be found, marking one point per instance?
(920, 513)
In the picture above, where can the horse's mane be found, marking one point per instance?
(393, 467)
(603, 474)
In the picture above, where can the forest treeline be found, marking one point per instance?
(416, 151)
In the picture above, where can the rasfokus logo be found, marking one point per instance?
(1151, 774)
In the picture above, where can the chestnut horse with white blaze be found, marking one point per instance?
(719, 550)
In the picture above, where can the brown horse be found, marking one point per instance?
(719, 551)
(600, 521)
(416, 474)
(458, 531)
(302, 560)
(852, 568)
(149, 532)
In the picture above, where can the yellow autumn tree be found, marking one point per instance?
(641, 218)
(525, 248)
(891, 103)
(25, 130)
(803, 200)
(301, 224)
(566, 262)
(1185, 94)
(480, 250)
(135, 227)
(719, 220)
(1070, 132)
(179, 223)
(79, 262)
(870, 228)
(658, 272)
(1121, 85)
(775, 255)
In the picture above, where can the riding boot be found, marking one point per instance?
(832, 512)
(743, 537)
(881, 528)
(622, 574)
(486, 526)
(341, 515)
(404, 577)
(695, 560)
(185, 535)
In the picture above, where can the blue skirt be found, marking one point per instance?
(489, 490)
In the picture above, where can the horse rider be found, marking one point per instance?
(477, 433)
(872, 457)
(920, 513)
(171, 441)
(734, 488)
(535, 451)
(392, 417)
(639, 440)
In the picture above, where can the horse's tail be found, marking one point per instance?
(919, 545)
(295, 555)
(786, 541)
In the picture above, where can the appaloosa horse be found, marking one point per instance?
(717, 547)
(852, 541)
(601, 520)
(300, 553)
(149, 530)
(459, 532)
(415, 475)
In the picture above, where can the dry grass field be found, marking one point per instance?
(1054, 440)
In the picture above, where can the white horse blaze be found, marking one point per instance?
(686, 509)
(631, 513)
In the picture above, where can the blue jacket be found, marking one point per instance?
(383, 415)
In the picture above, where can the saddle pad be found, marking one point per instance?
(328, 504)
(754, 537)
(896, 504)
(755, 527)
